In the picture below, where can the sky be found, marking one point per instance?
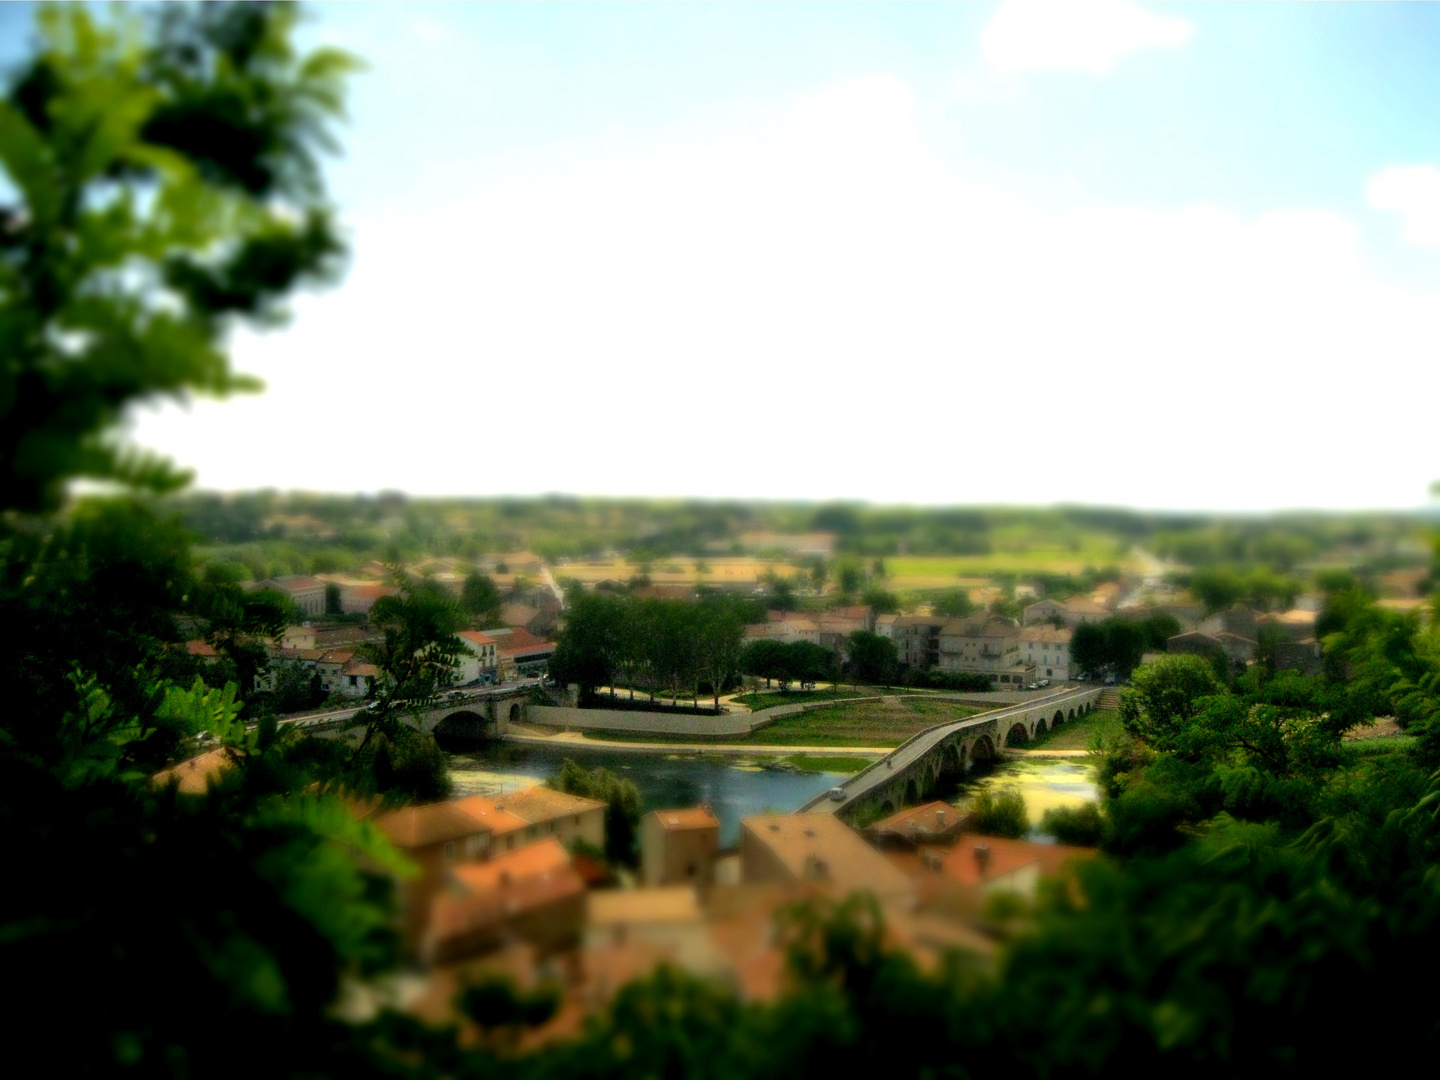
(1166, 256)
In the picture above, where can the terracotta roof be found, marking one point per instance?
(434, 823)
(1081, 605)
(476, 637)
(356, 667)
(482, 808)
(1006, 856)
(200, 648)
(539, 804)
(670, 903)
(294, 582)
(932, 819)
(694, 817)
(371, 591)
(822, 848)
(533, 860)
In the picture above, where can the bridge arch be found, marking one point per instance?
(1059, 717)
(466, 724)
(1016, 734)
(912, 793)
(982, 749)
(1072, 715)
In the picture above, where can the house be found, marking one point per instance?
(667, 920)
(532, 895)
(789, 543)
(1043, 611)
(298, 637)
(1046, 649)
(933, 823)
(917, 639)
(359, 598)
(1304, 656)
(521, 653)
(1194, 643)
(547, 812)
(885, 625)
(982, 644)
(678, 847)
(819, 849)
(436, 837)
(992, 864)
(1236, 620)
(306, 593)
(480, 663)
(358, 679)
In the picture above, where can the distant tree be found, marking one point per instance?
(480, 599)
(768, 660)
(722, 642)
(332, 599)
(849, 576)
(873, 659)
(885, 603)
(622, 805)
(955, 604)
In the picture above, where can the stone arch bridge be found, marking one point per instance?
(486, 713)
(917, 767)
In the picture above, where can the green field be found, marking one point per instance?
(1077, 734)
(869, 723)
(767, 699)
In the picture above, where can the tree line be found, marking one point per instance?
(652, 645)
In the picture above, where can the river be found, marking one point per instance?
(734, 790)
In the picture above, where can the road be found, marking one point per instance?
(457, 698)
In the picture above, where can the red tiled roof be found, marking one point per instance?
(694, 817)
(200, 648)
(477, 638)
(1006, 856)
(421, 826)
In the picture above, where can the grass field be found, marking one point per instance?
(870, 723)
(1077, 734)
(766, 699)
(947, 571)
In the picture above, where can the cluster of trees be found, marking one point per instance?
(622, 806)
(652, 645)
(788, 661)
(1118, 644)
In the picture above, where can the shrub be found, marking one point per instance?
(1000, 815)
(1080, 825)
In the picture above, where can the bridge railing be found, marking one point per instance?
(1052, 698)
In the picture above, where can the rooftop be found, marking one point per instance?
(821, 847)
(670, 903)
(694, 817)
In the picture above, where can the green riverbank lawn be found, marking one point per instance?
(827, 764)
(867, 723)
(1077, 734)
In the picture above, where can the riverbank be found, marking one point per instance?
(584, 740)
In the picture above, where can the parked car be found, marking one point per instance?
(1033, 686)
(837, 794)
(1109, 680)
(1044, 682)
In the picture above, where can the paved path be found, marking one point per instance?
(575, 738)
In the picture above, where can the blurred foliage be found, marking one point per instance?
(999, 813)
(622, 806)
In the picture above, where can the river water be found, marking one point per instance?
(735, 790)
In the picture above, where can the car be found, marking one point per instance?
(455, 695)
(1109, 680)
(837, 794)
(1044, 682)
(374, 706)
(1033, 686)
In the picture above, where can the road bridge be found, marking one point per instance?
(917, 767)
(484, 713)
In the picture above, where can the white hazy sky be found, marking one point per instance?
(1092, 252)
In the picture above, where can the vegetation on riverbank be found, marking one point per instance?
(864, 723)
(1078, 734)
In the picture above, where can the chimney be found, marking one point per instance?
(940, 818)
(982, 857)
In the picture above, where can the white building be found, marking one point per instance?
(1047, 650)
(481, 661)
